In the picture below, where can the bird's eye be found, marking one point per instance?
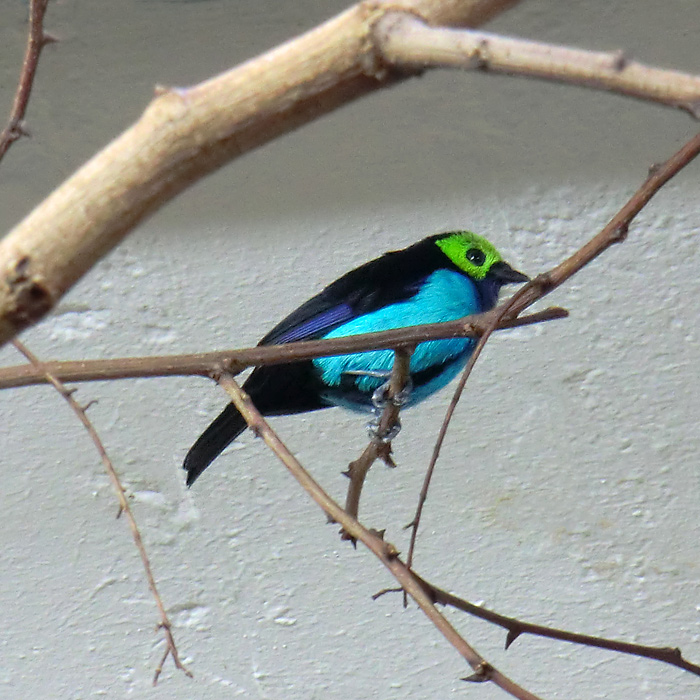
(476, 256)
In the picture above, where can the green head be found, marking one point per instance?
(476, 257)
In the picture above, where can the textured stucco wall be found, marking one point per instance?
(568, 492)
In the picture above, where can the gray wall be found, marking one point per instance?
(568, 492)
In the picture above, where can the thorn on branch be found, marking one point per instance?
(512, 635)
(347, 537)
(384, 591)
(479, 58)
(389, 550)
(543, 281)
(481, 674)
(19, 129)
(653, 169)
(384, 453)
(161, 90)
(48, 38)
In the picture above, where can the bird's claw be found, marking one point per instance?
(384, 436)
(380, 397)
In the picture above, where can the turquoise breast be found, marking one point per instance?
(444, 296)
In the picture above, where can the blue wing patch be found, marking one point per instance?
(316, 325)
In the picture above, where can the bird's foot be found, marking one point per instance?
(382, 436)
(380, 397)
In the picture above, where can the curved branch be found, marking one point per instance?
(81, 412)
(614, 232)
(378, 447)
(500, 313)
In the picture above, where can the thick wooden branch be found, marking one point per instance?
(408, 41)
(186, 133)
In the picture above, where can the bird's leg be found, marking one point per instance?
(386, 402)
(380, 398)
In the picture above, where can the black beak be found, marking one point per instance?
(505, 274)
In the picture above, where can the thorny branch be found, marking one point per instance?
(516, 628)
(386, 552)
(614, 232)
(501, 312)
(36, 41)
(15, 129)
(234, 361)
(67, 394)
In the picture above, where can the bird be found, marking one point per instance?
(442, 277)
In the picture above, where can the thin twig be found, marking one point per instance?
(614, 232)
(501, 312)
(234, 361)
(124, 507)
(36, 41)
(385, 551)
(516, 627)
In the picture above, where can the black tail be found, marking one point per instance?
(217, 437)
(275, 390)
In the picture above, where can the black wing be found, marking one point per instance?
(391, 278)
